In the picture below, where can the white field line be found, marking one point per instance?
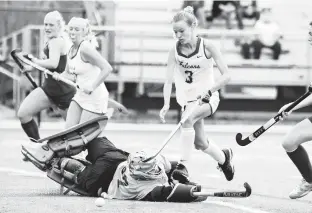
(237, 207)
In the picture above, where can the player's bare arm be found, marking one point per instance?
(116, 105)
(55, 50)
(169, 77)
(215, 53)
(306, 102)
(168, 85)
(91, 55)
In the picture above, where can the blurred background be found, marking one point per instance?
(264, 43)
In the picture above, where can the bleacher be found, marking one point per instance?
(138, 41)
(290, 70)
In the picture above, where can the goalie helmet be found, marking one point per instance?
(143, 170)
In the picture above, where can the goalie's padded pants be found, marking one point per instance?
(104, 158)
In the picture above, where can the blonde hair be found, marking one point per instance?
(59, 19)
(187, 14)
(89, 35)
(62, 26)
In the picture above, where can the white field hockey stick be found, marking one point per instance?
(234, 194)
(166, 141)
(22, 58)
(271, 122)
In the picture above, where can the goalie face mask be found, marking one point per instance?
(143, 170)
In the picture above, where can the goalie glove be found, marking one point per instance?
(183, 193)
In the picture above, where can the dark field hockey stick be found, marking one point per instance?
(22, 68)
(21, 58)
(234, 194)
(270, 123)
(166, 141)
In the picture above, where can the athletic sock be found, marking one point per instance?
(31, 129)
(187, 138)
(215, 152)
(301, 159)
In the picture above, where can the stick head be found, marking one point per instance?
(239, 136)
(248, 189)
(13, 52)
(17, 61)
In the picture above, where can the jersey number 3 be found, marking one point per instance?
(189, 76)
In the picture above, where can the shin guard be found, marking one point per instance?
(65, 172)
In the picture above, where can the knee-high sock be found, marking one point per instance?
(215, 152)
(31, 129)
(301, 159)
(187, 138)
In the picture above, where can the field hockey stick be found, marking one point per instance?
(234, 194)
(166, 141)
(271, 122)
(22, 68)
(22, 58)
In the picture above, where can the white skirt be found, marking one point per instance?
(96, 102)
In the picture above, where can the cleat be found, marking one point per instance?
(227, 168)
(301, 190)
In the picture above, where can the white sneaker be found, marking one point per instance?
(301, 190)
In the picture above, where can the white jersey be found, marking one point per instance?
(86, 74)
(125, 187)
(193, 74)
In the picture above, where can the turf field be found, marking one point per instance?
(263, 164)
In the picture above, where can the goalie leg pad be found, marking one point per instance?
(182, 193)
(39, 165)
(63, 144)
(65, 173)
(158, 194)
(70, 168)
(73, 143)
(40, 155)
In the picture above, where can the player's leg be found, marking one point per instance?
(63, 113)
(73, 115)
(208, 146)
(87, 115)
(187, 139)
(174, 193)
(63, 102)
(35, 102)
(301, 133)
(223, 157)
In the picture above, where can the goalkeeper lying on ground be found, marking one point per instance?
(106, 168)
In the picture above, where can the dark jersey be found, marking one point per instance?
(59, 92)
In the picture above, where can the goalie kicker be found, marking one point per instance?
(66, 143)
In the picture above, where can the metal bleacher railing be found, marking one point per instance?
(138, 56)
